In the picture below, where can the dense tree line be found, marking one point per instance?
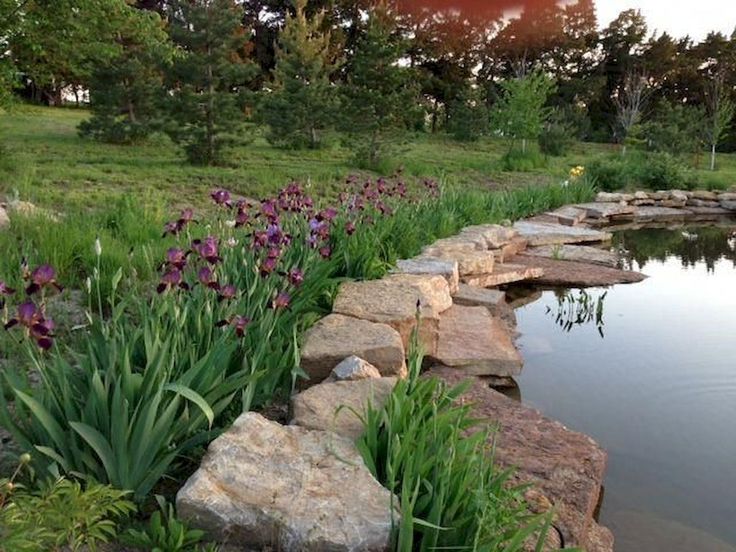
(205, 70)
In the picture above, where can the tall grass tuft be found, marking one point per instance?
(425, 447)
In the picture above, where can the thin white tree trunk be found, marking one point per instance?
(713, 157)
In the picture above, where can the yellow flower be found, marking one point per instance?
(577, 172)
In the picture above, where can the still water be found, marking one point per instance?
(649, 371)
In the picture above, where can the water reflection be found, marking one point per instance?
(658, 392)
(578, 308)
(705, 244)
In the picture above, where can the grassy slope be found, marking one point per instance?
(50, 165)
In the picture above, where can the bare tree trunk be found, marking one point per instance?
(713, 157)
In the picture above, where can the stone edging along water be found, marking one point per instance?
(262, 483)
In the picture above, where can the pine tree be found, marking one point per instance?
(303, 101)
(125, 90)
(380, 96)
(208, 81)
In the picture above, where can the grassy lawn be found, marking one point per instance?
(48, 163)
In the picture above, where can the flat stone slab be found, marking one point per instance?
(575, 274)
(393, 300)
(579, 253)
(643, 214)
(472, 296)
(468, 262)
(505, 273)
(495, 236)
(338, 406)
(262, 485)
(605, 209)
(608, 197)
(568, 215)
(709, 212)
(566, 466)
(492, 299)
(540, 233)
(477, 343)
(336, 337)
(431, 266)
(729, 205)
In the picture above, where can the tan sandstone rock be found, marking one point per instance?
(432, 266)
(552, 234)
(505, 273)
(393, 301)
(336, 337)
(580, 253)
(566, 466)
(472, 340)
(264, 485)
(468, 262)
(338, 406)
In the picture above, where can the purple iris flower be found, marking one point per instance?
(268, 266)
(349, 228)
(39, 327)
(274, 233)
(296, 277)
(42, 277)
(241, 219)
(221, 197)
(207, 278)
(240, 323)
(260, 239)
(227, 292)
(176, 257)
(268, 209)
(282, 301)
(325, 252)
(208, 249)
(171, 279)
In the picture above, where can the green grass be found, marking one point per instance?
(48, 163)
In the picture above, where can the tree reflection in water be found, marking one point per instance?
(691, 245)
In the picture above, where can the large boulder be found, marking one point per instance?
(262, 485)
(539, 233)
(468, 262)
(393, 300)
(562, 273)
(494, 236)
(336, 337)
(566, 466)
(339, 406)
(478, 344)
(432, 266)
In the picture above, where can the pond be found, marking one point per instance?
(649, 371)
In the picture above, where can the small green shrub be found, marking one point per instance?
(517, 160)
(166, 533)
(60, 515)
(653, 171)
(663, 171)
(556, 139)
